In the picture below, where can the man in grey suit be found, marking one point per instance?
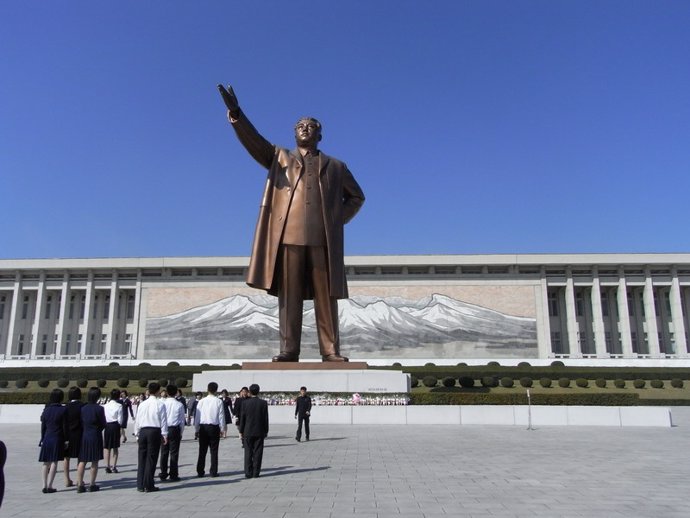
(253, 431)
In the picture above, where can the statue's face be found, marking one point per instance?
(307, 132)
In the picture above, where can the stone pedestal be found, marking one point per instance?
(316, 376)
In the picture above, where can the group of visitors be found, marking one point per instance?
(91, 432)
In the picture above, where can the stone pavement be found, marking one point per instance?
(391, 471)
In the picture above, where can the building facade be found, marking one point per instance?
(586, 306)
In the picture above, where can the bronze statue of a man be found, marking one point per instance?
(298, 244)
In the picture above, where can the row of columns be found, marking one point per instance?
(624, 318)
(60, 330)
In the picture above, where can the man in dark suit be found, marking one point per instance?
(299, 240)
(302, 413)
(253, 430)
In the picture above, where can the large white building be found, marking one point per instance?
(404, 308)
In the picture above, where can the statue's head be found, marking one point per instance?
(307, 132)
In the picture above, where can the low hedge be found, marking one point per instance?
(466, 381)
(448, 381)
(526, 382)
(545, 382)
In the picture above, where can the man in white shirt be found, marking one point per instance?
(209, 423)
(111, 435)
(174, 410)
(151, 427)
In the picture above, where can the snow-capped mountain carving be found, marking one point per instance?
(367, 324)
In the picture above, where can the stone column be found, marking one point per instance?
(14, 314)
(38, 314)
(650, 315)
(134, 350)
(624, 316)
(111, 316)
(86, 336)
(677, 316)
(64, 304)
(571, 318)
(544, 336)
(598, 316)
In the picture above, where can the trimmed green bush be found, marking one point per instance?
(163, 382)
(173, 364)
(493, 364)
(619, 383)
(181, 382)
(5, 383)
(448, 381)
(82, 382)
(657, 384)
(205, 366)
(557, 363)
(545, 382)
(62, 382)
(43, 383)
(144, 382)
(507, 382)
(639, 384)
(113, 364)
(564, 382)
(397, 365)
(677, 383)
(523, 365)
(414, 381)
(123, 382)
(489, 381)
(462, 364)
(430, 381)
(430, 364)
(144, 365)
(21, 383)
(101, 383)
(466, 381)
(582, 382)
(600, 382)
(526, 382)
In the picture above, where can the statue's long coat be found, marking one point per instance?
(341, 198)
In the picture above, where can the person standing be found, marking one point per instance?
(53, 434)
(191, 409)
(175, 412)
(298, 249)
(74, 430)
(111, 436)
(91, 449)
(302, 413)
(151, 427)
(127, 412)
(209, 423)
(253, 430)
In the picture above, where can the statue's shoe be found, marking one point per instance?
(334, 358)
(286, 357)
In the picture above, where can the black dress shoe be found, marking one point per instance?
(93, 488)
(81, 488)
(297, 439)
(140, 489)
(334, 358)
(151, 489)
(174, 479)
(286, 357)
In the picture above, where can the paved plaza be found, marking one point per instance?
(390, 471)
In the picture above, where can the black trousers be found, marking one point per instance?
(302, 419)
(171, 450)
(149, 446)
(253, 454)
(209, 438)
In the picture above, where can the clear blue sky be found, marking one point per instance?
(472, 126)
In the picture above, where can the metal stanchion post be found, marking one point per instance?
(529, 411)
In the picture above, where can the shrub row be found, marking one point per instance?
(527, 382)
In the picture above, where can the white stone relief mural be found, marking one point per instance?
(246, 326)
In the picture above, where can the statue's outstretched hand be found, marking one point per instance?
(229, 98)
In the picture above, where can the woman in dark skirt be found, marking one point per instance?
(73, 430)
(111, 435)
(127, 412)
(53, 433)
(91, 450)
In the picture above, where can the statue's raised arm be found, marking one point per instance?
(230, 99)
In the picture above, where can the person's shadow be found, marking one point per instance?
(3, 458)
